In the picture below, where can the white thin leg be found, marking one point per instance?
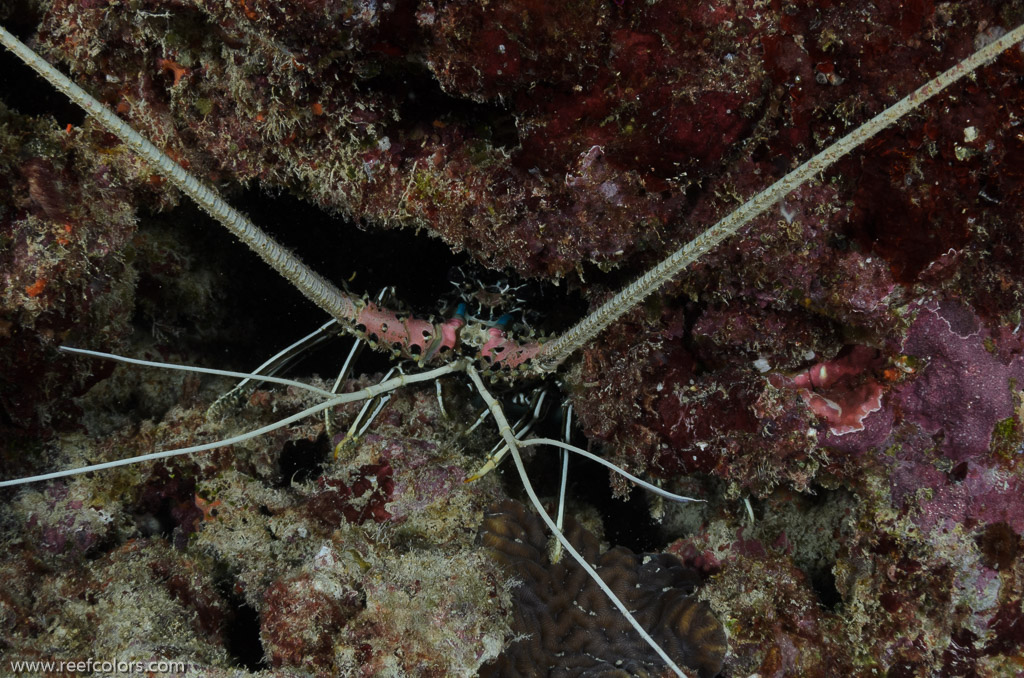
(275, 362)
(366, 406)
(440, 399)
(479, 420)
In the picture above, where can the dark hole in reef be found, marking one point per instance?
(20, 87)
(818, 496)
(165, 518)
(242, 638)
(260, 311)
(958, 472)
(842, 243)
(301, 460)
(999, 546)
(756, 507)
(171, 519)
(142, 408)
(416, 265)
(626, 522)
(824, 584)
(421, 101)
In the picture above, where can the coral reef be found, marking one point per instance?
(65, 227)
(140, 602)
(343, 579)
(851, 366)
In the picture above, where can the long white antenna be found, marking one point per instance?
(364, 394)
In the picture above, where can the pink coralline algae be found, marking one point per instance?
(967, 385)
(842, 391)
(925, 562)
(64, 524)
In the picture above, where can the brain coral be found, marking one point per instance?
(565, 623)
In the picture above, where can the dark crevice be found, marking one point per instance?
(242, 638)
(627, 522)
(421, 101)
(166, 505)
(302, 460)
(366, 261)
(262, 313)
(824, 584)
(24, 91)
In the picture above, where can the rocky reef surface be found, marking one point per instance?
(842, 382)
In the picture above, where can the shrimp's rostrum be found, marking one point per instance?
(841, 381)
